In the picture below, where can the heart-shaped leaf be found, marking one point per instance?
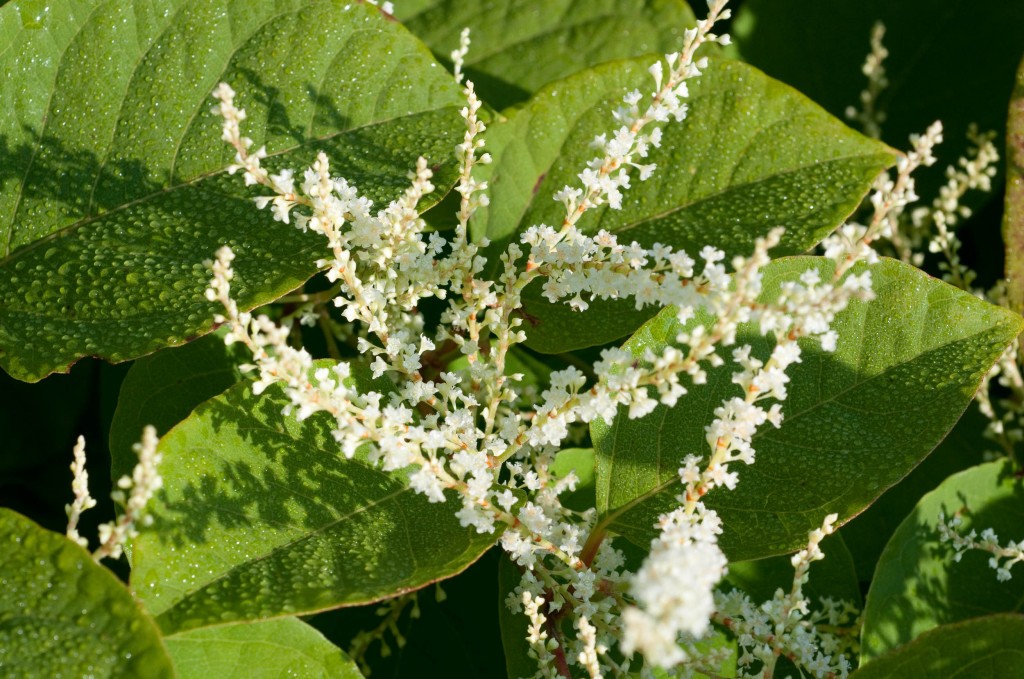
(62, 614)
(856, 420)
(112, 190)
(263, 517)
(518, 46)
(753, 154)
(918, 585)
(259, 650)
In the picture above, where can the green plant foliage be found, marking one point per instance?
(162, 389)
(917, 586)
(61, 614)
(579, 461)
(919, 349)
(262, 517)
(988, 646)
(112, 188)
(513, 627)
(270, 553)
(519, 52)
(752, 155)
(272, 648)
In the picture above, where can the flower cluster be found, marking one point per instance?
(134, 493)
(889, 199)
(468, 430)
(870, 116)
(1002, 559)
(785, 627)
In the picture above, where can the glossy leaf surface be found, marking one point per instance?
(1013, 218)
(753, 154)
(259, 650)
(518, 46)
(990, 646)
(856, 421)
(62, 614)
(263, 517)
(112, 189)
(918, 585)
(163, 388)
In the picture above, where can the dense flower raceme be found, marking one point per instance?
(467, 429)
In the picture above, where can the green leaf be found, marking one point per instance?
(262, 517)
(162, 389)
(518, 46)
(918, 585)
(990, 646)
(819, 46)
(751, 155)
(1013, 218)
(112, 189)
(62, 614)
(871, 530)
(272, 648)
(856, 421)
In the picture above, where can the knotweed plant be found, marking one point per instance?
(554, 318)
(467, 431)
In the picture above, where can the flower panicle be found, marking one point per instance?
(1002, 557)
(786, 626)
(134, 492)
(870, 116)
(80, 487)
(607, 175)
(472, 433)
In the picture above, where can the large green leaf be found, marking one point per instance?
(62, 614)
(818, 46)
(918, 586)
(856, 420)
(262, 517)
(163, 388)
(518, 46)
(752, 155)
(1013, 219)
(258, 650)
(112, 192)
(992, 646)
